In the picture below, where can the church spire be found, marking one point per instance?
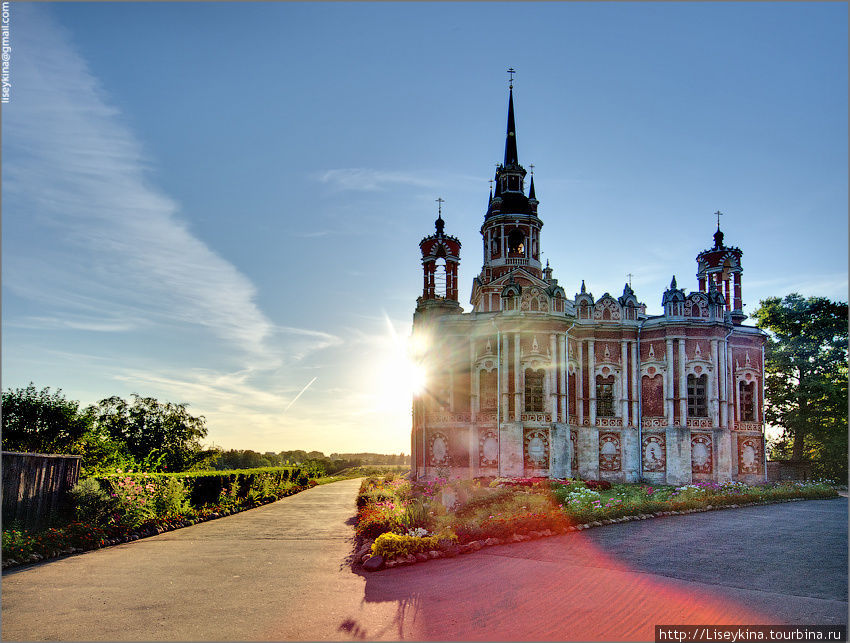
(511, 157)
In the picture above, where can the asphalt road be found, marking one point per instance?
(278, 572)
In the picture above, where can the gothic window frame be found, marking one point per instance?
(698, 395)
(747, 397)
(605, 399)
(535, 398)
(487, 374)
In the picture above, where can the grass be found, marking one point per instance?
(365, 471)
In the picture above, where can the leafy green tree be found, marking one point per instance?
(160, 435)
(806, 376)
(102, 454)
(240, 459)
(42, 421)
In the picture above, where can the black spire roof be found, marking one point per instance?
(511, 157)
(509, 196)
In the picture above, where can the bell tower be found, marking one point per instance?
(440, 261)
(721, 266)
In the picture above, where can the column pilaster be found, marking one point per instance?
(668, 384)
(591, 374)
(624, 380)
(517, 378)
(683, 385)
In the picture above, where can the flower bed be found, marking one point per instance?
(130, 508)
(401, 522)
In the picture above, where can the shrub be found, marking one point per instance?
(132, 502)
(17, 544)
(415, 514)
(390, 545)
(91, 503)
(485, 501)
(378, 518)
(170, 498)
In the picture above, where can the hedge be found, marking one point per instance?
(206, 487)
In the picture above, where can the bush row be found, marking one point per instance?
(206, 487)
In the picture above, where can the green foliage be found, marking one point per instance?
(91, 503)
(415, 514)
(102, 454)
(240, 459)
(485, 501)
(171, 498)
(390, 545)
(17, 544)
(147, 426)
(42, 422)
(806, 376)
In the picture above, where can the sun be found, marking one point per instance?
(401, 373)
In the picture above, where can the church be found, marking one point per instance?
(532, 383)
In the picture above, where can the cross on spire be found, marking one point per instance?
(630, 275)
(531, 167)
(511, 71)
(440, 201)
(719, 214)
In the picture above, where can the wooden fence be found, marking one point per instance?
(35, 486)
(779, 470)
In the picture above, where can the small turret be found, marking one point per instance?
(721, 265)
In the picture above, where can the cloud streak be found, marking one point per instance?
(371, 180)
(113, 241)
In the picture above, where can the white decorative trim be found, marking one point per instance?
(448, 418)
(747, 426)
(536, 417)
(660, 368)
(609, 421)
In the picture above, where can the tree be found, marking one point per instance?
(806, 376)
(41, 421)
(162, 434)
(239, 459)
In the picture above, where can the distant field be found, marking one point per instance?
(364, 471)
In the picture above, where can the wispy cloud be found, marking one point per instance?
(114, 241)
(371, 180)
(301, 341)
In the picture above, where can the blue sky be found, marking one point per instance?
(221, 203)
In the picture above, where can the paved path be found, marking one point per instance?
(278, 573)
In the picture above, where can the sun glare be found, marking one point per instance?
(400, 372)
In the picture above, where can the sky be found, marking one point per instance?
(221, 203)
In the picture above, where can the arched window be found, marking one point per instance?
(697, 401)
(516, 243)
(440, 277)
(533, 390)
(747, 397)
(489, 391)
(605, 396)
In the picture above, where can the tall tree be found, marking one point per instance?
(154, 430)
(42, 422)
(806, 376)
